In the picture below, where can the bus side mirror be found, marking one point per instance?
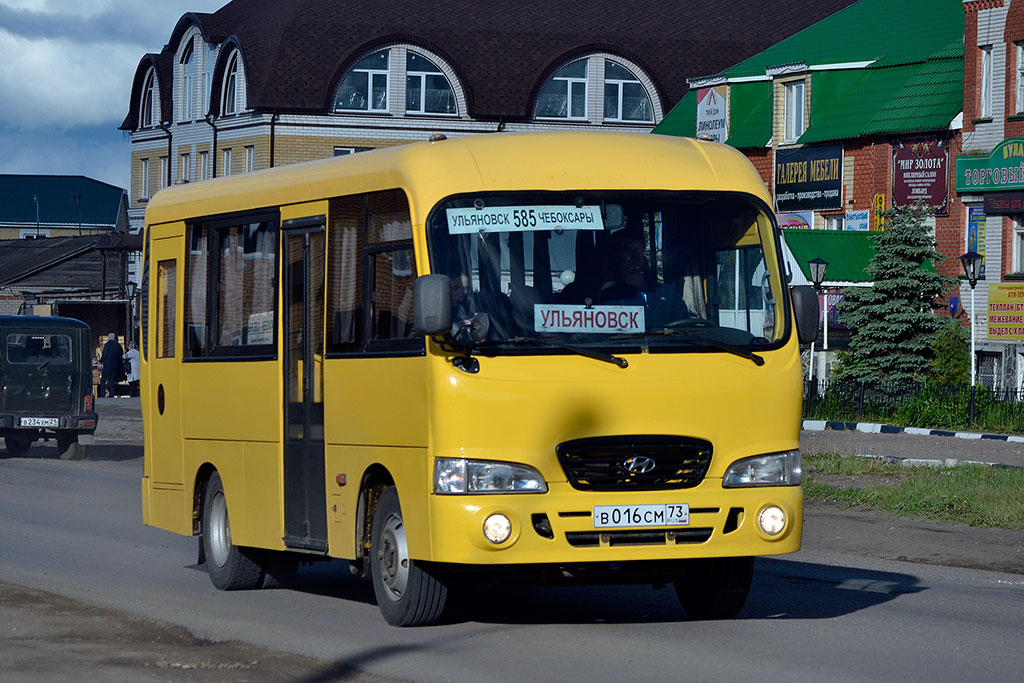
(432, 312)
(806, 312)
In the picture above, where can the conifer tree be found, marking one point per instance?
(893, 323)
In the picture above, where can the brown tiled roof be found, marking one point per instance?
(295, 50)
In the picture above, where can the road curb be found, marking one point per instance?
(875, 428)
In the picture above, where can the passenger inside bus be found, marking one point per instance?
(633, 283)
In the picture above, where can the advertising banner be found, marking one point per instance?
(1003, 169)
(877, 208)
(809, 178)
(919, 172)
(1004, 203)
(1005, 311)
(858, 220)
(712, 117)
(804, 220)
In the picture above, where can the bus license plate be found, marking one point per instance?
(38, 422)
(606, 516)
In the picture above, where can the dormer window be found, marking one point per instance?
(365, 87)
(565, 95)
(232, 97)
(625, 98)
(149, 101)
(427, 91)
(188, 84)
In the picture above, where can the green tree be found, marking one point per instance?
(892, 322)
(951, 364)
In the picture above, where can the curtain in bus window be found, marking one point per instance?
(344, 272)
(387, 217)
(245, 303)
(166, 288)
(196, 283)
(394, 278)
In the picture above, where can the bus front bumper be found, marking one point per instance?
(560, 526)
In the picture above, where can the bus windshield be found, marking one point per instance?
(664, 271)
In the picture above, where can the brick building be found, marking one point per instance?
(989, 180)
(856, 113)
(262, 83)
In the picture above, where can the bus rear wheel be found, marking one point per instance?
(229, 567)
(408, 592)
(715, 587)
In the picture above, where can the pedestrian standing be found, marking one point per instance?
(111, 359)
(131, 357)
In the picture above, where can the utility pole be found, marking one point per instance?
(35, 198)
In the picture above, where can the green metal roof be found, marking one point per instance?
(914, 83)
(59, 198)
(750, 113)
(848, 253)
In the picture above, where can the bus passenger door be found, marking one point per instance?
(305, 495)
(163, 381)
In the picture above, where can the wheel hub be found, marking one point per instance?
(393, 557)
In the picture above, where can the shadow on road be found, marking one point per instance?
(95, 453)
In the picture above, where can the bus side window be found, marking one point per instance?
(346, 237)
(166, 287)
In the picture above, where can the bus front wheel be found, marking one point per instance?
(229, 567)
(408, 593)
(715, 587)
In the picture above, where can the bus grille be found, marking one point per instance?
(622, 463)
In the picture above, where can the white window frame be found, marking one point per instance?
(985, 105)
(188, 82)
(232, 83)
(204, 166)
(164, 161)
(32, 233)
(619, 84)
(144, 179)
(149, 95)
(835, 222)
(186, 167)
(568, 82)
(209, 59)
(794, 108)
(421, 78)
(370, 74)
(227, 161)
(250, 158)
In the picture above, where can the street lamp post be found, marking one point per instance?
(818, 267)
(971, 261)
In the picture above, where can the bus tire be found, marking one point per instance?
(229, 566)
(715, 587)
(68, 447)
(409, 593)
(17, 447)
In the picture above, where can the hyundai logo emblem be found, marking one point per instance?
(639, 464)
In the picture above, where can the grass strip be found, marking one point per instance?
(977, 495)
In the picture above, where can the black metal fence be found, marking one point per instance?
(916, 405)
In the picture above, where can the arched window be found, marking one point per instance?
(427, 91)
(565, 95)
(625, 98)
(365, 86)
(211, 57)
(149, 106)
(188, 83)
(232, 98)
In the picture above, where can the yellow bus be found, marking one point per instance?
(544, 357)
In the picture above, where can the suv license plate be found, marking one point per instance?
(38, 422)
(610, 516)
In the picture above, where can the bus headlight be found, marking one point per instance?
(778, 469)
(458, 475)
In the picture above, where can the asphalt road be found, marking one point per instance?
(87, 592)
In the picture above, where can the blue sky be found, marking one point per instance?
(67, 67)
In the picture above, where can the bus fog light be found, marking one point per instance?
(772, 520)
(497, 528)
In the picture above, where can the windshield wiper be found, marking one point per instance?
(551, 341)
(696, 336)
